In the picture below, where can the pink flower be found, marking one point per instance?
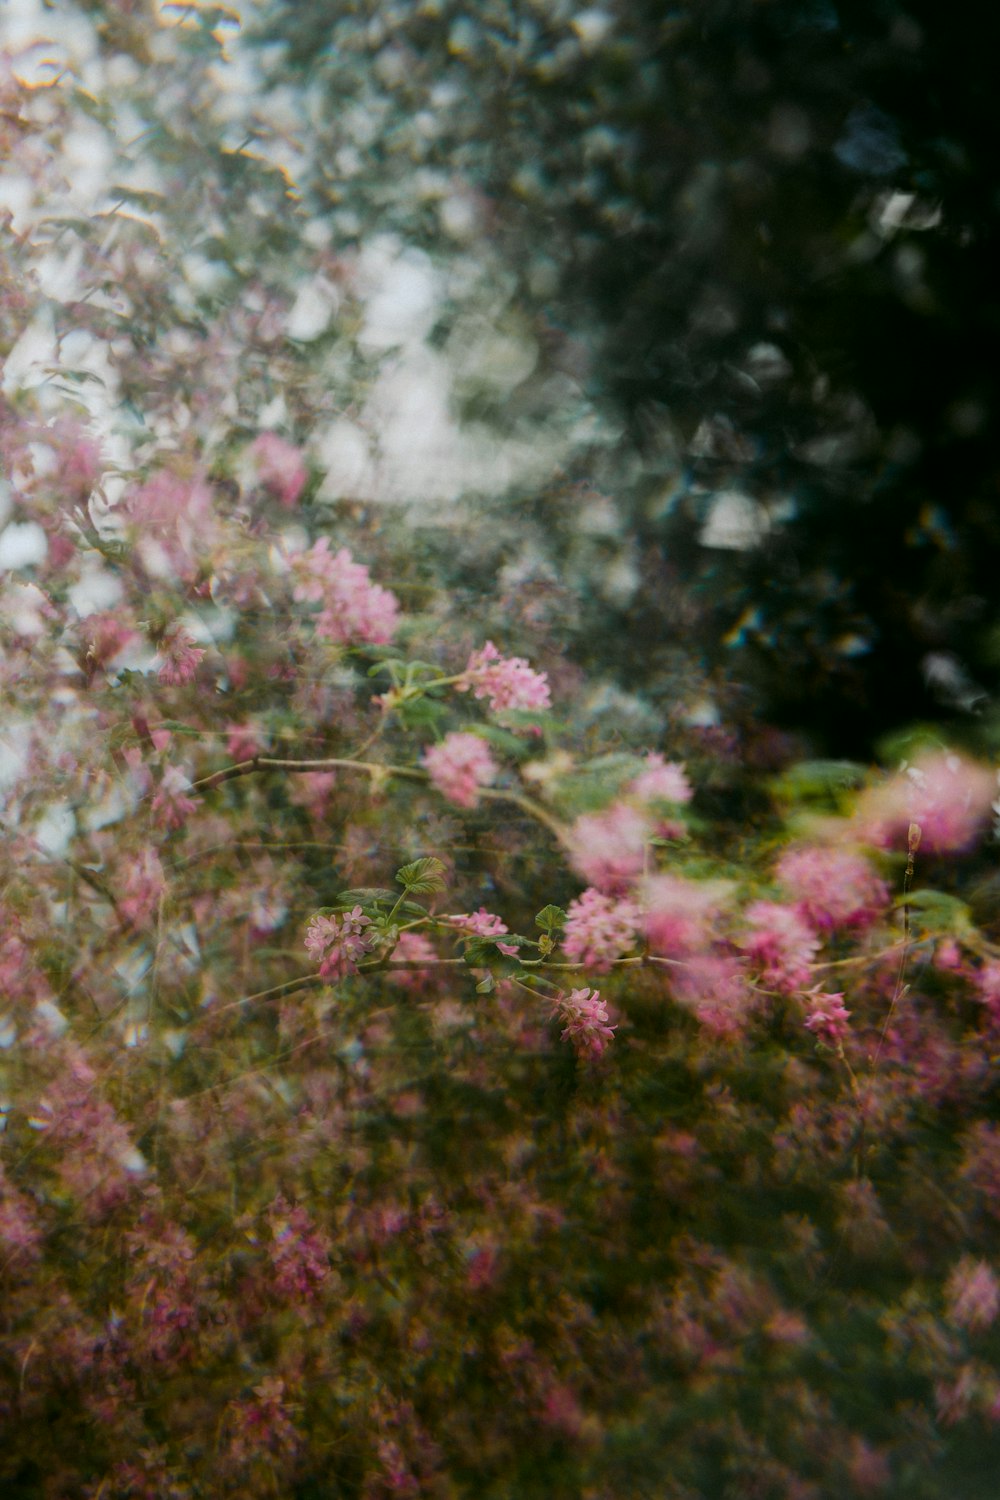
(300, 1254)
(105, 637)
(661, 781)
(180, 657)
(459, 766)
(586, 1018)
(782, 946)
(338, 946)
(144, 884)
(973, 1294)
(354, 608)
(508, 681)
(279, 467)
(243, 741)
(483, 923)
(832, 888)
(600, 929)
(413, 947)
(679, 914)
(171, 807)
(608, 847)
(715, 989)
(947, 796)
(827, 1017)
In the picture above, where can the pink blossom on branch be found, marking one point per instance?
(483, 923)
(171, 805)
(599, 929)
(507, 681)
(180, 657)
(827, 1018)
(608, 848)
(459, 766)
(832, 888)
(781, 945)
(354, 608)
(946, 795)
(338, 945)
(680, 914)
(586, 1021)
(279, 467)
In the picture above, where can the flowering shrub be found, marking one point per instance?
(318, 1175)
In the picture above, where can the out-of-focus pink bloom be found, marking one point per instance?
(338, 946)
(413, 947)
(946, 795)
(827, 1018)
(679, 914)
(714, 987)
(143, 885)
(509, 682)
(661, 781)
(176, 522)
(781, 945)
(280, 467)
(586, 1021)
(171, 806)
(459, 766)
(832, 888)
(300, 1254)
(600, 929)
(244, 741)
(973, 1294)
(313, 792)
(987, 982)
(180, 657)
(354, 608)
(105, 637)
(607, 848)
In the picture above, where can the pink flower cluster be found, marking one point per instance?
(586, 1018)
(661, 781)
(832, 888)
(483, 923)
(459, 766)
(781, 945)
(354, 608)
(144, 884)
(946, 795)
(171, 805)
(600, 929)
(338, 946)
(607, 848)
(973, 1294)
(678, 915)
(279, 467)
(180, 657)
(300, 1254)
(827, 1017)
(507, 681)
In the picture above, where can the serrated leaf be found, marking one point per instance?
(550, 918)
(422, 876)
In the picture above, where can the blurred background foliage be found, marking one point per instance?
(662, 334)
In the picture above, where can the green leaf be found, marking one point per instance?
(819, 780)
(550, 918)
(366, 895)
(422, 876)
(485, 985)
(938, 911)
